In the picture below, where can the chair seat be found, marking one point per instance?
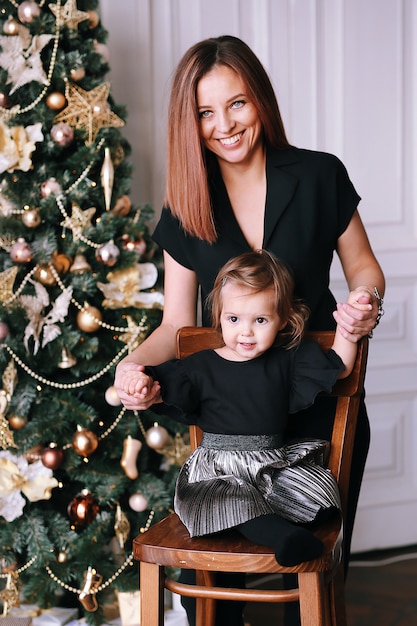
(168, 543)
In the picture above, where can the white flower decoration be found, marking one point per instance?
(16, 146)
(124, 288)
(18, 477)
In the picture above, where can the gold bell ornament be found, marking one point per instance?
(67, 359)
(121, 526)
(80, 265)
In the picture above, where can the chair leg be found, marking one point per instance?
(337, 599)
(151, 594)
(205, 607)
(311, 587)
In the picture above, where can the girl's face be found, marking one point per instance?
(249, 322)
(229, 122)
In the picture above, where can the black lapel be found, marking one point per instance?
(281, 186)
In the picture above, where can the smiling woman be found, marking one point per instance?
(234, 184)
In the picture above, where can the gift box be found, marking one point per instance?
(34, 616)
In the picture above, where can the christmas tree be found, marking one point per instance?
(80, 476)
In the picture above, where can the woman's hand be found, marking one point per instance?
(357, 317)
(129, 385)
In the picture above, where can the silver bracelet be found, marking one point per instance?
(380, 311)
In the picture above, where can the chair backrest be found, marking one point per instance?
(348, 392)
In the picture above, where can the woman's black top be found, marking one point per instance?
(310, 201)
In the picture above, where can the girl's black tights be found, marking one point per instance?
(292, 544)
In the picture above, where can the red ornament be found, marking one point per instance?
(4, 330)
(82, 510)
(52, 457)
(5, 101)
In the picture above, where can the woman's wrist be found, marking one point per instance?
(380, 312)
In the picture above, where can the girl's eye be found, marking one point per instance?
(233, 319)
(261, 320)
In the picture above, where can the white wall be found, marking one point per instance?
(345, 72)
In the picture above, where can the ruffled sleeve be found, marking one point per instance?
(313, 371)
(180, 397)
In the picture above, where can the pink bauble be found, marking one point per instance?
(62, 134)
(138, 502)
(27, 11)
(4, 331)
(77, 73)
(108, 254)
(50, 186)
(157, 437)
(21, 252)
(112, 397)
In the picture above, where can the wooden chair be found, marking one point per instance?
(320, 582)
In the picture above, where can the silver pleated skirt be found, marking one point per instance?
(231, 479)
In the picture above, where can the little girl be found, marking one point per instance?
(241, 395)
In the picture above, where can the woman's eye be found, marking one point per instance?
(204, 114)
(238, 104)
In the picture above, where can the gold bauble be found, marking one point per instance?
(122, 206)
(93, 18)
(55, 101)
(77, 74)
(11, 26)
(84, 442)
(17, 422)
(89, 319)
(61, 262)
(31, 218)
(44, 275)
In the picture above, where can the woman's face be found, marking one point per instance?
(229, 123)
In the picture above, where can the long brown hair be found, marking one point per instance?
(187, 191)
(261, 270)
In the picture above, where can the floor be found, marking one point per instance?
(381, 590)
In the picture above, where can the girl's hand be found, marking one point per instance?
(136, 390)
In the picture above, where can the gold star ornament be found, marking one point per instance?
(135, 333)
(89, 111)
(79, 220)
(69, 15)
(7, 279)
